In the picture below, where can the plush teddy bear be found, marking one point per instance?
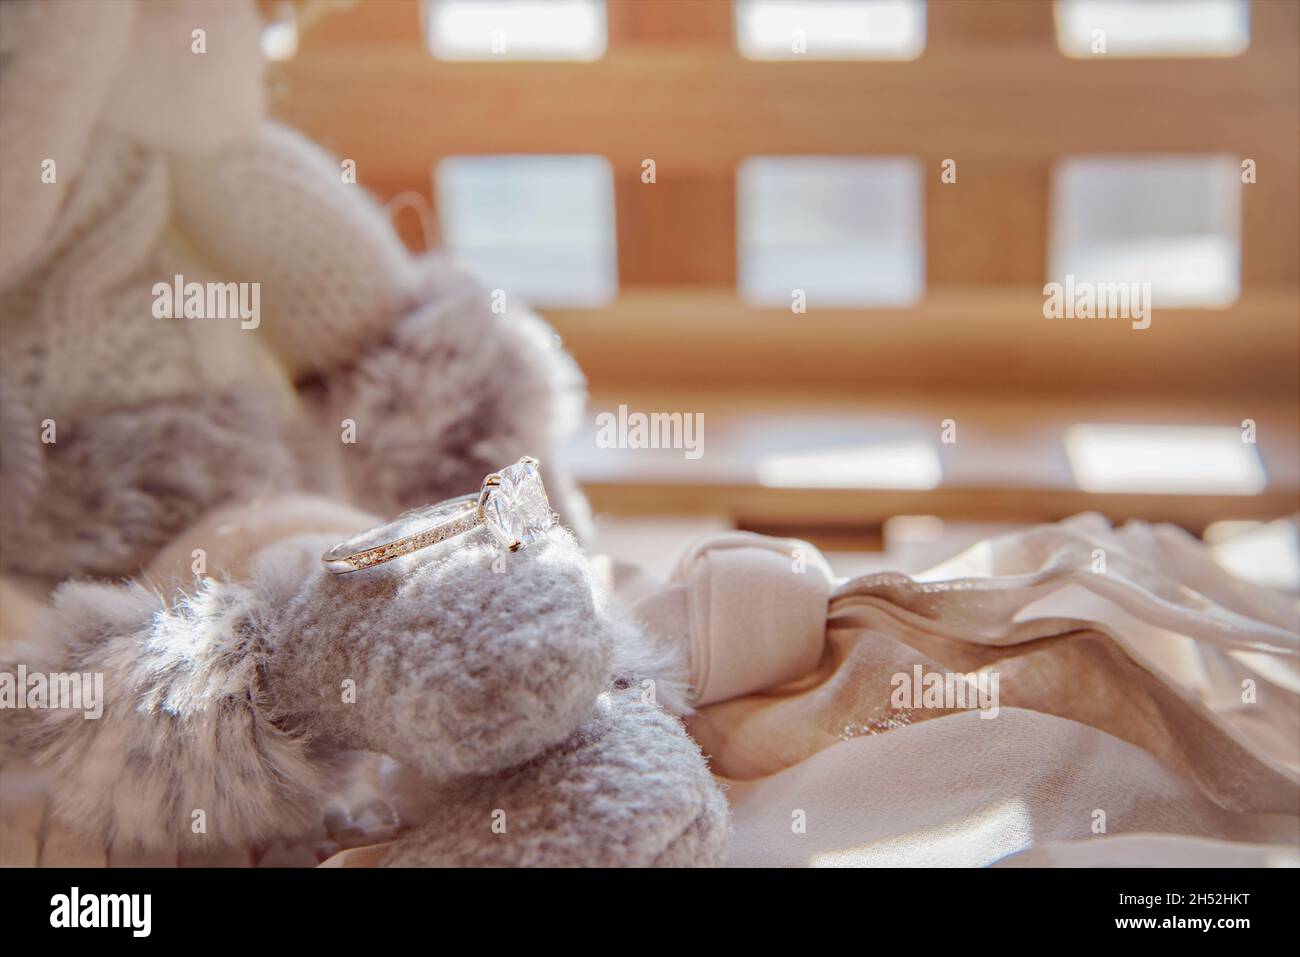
(213, 460)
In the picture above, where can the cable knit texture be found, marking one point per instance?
(276, 210)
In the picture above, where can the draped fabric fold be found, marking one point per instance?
(1140, 689)
(750, 609)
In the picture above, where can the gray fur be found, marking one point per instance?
(458, 391)
(627, 789)
(458, 669)
(118, 486)
(22, 466)
(493, 686)
(186, 724)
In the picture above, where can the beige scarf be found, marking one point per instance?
(1141, 690)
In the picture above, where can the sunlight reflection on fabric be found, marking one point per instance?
(1006, 822)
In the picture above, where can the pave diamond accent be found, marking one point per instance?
(517, 510)
(404, 546)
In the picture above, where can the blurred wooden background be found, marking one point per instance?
(991, 90)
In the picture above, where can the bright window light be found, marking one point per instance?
(958, 841)
(280, 34)
(913, 529)
(516, 29)
(846, 231)
(1174, 222)
(889, 463)
(830, 29)
(1178, 459)
(1152, 28)
(1264, 553)
(541, 227)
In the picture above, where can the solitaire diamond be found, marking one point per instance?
(511, 503)
(516, 510)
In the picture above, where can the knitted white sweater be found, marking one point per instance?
(80, 335)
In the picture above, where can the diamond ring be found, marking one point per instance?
(512, 504)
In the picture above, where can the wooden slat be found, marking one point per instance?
(396, 113)
(1009, 462)
(956, 22)
(1273, 23)
(983, 337)
(990, 226)
(755, 505)
(393, 23)
(1008, 440)
(1270, 242)
(679, 230)
(991, 92)
(1271, 206)
(698, 21)
(697, 110)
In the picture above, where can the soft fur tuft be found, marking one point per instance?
(502, 387)
(629, 788)
(458, 668)
(659, 670)
(186, 725)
